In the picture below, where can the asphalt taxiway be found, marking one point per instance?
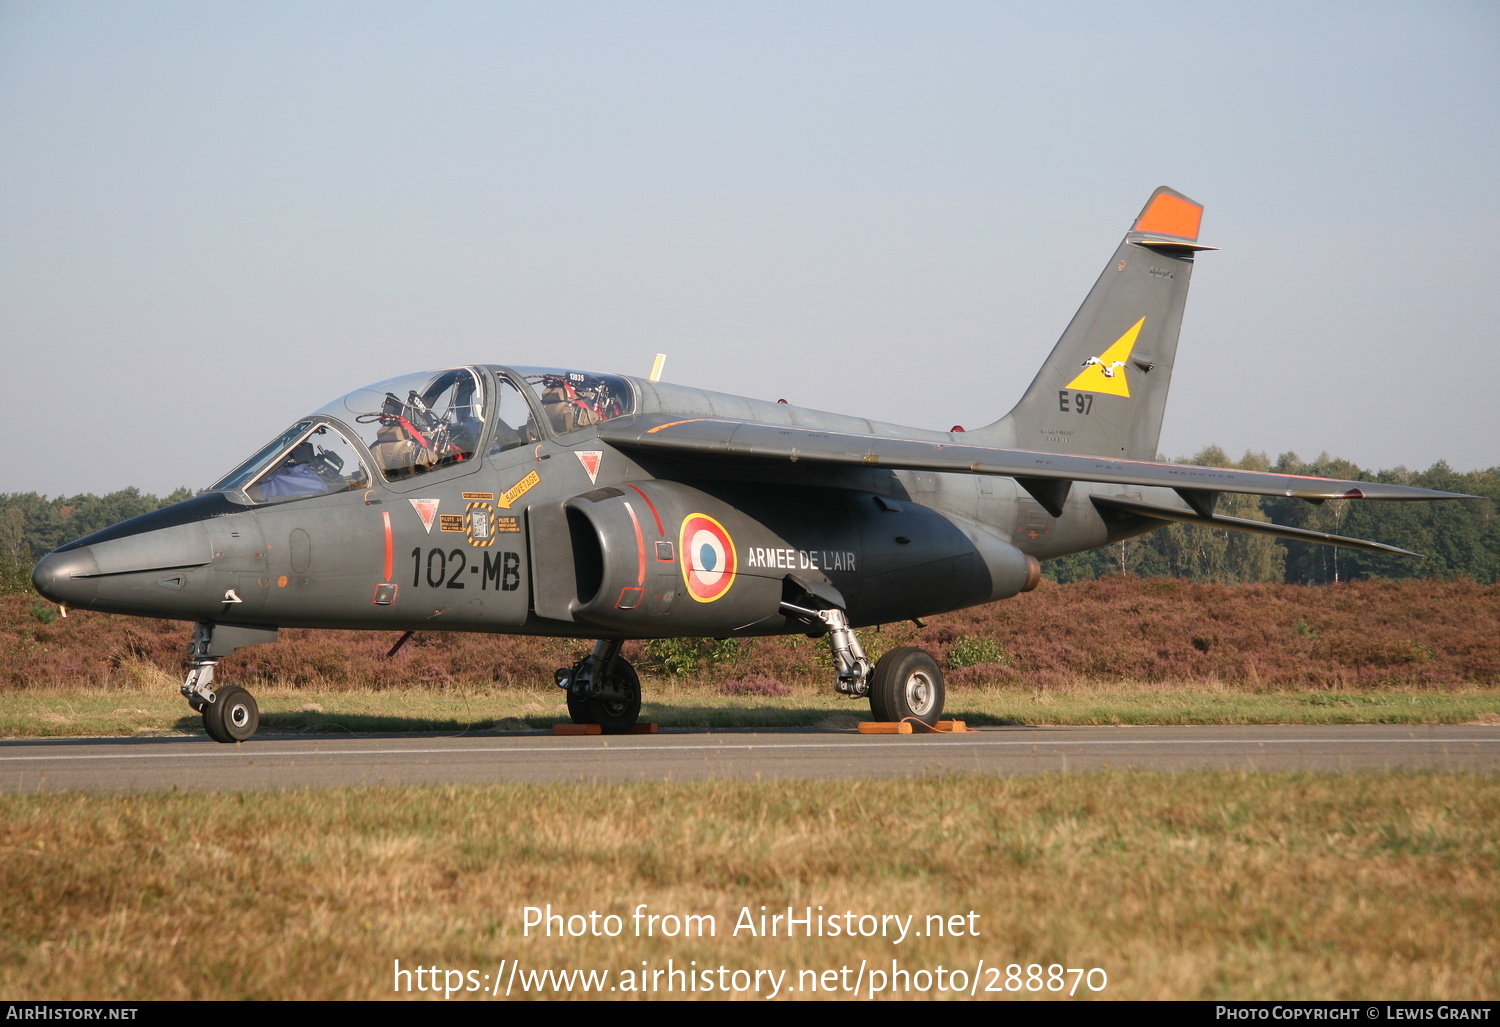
(290, 761)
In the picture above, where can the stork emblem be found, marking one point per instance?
(1108, 370)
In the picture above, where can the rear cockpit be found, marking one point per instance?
(571, 400)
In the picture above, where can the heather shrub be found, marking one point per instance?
(787, 657)
(1367, 634)
(755, 684)
(983, 675)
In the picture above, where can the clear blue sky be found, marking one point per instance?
(217, 216)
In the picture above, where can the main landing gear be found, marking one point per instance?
(229, 714)
(603, 689)
(905, 685)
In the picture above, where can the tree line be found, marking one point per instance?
(32, 526)
(1457, 538)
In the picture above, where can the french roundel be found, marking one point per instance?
(708, 557)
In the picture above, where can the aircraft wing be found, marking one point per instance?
(1046, 476)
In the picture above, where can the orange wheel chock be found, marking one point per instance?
(904, 727)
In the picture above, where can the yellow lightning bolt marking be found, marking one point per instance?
(1093, 378)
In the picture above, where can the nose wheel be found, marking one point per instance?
(233, 716)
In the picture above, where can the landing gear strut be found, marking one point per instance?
(906, 685)
(603, 689)
(849, 657)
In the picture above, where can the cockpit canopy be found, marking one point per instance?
(418, 423)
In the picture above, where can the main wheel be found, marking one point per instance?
(233, 716)
(616, 708)
(907, 685)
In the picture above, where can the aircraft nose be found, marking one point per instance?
(67, 577)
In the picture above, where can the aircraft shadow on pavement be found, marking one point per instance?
(671, 718)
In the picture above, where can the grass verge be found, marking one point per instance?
(156, 708)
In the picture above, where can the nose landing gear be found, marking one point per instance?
(229, 714)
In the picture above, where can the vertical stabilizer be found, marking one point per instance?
(1104, 386)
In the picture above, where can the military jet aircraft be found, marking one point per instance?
(550, 501)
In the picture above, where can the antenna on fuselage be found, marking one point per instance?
(661, 359)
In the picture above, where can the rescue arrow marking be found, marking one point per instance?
(518, 490)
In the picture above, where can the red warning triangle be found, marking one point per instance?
(590, 463)
(427, 510)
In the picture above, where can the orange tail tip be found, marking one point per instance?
(1170, 214)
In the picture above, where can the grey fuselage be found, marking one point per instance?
(525, 541)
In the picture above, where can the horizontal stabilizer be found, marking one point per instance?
(718, 441)
(1167, 513)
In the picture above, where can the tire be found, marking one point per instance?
(580, 711)
(614, 715)
(907, 686)
(233, 716)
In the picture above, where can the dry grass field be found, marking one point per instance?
(1196, 886)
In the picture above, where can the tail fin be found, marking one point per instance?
(1104, 387)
